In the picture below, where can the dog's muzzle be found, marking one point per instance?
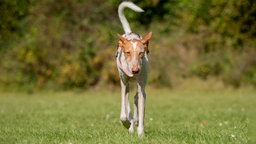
(135, 69)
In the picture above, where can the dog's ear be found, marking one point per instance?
(145, 40)
(121, 41)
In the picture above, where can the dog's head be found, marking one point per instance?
(134, 51)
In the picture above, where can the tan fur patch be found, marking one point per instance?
(133, 48)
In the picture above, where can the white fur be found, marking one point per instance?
(139, 99)
(134, 45)
(125, 74)
(122, 17)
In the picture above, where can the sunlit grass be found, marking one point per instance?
(172, 116)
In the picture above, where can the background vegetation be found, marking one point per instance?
(64, 44)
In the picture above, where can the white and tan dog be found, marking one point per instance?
(132, 63)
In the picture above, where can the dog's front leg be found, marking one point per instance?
(124, 102)
(141, 108)
(128, 111)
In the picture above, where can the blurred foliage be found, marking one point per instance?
(65, 44)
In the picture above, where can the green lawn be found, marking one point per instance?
(172, 116)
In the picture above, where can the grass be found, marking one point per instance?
(172, 116)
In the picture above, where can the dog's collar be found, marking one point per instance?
(119, 63)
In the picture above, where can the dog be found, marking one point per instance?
(132, 63)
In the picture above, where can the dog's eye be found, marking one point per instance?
(128, 53)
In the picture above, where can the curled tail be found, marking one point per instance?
(122, 17)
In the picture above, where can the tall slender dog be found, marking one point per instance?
(132, 63)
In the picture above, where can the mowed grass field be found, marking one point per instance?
(172, 117)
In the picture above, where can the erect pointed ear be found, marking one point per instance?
(146, 38)
(121, 38)
(121, 41)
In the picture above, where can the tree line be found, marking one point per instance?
(71, 43)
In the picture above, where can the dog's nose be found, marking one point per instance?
(135, 69)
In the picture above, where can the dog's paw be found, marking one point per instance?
(140, 131)
(131, 129)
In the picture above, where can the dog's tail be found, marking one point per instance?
(122, 17)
